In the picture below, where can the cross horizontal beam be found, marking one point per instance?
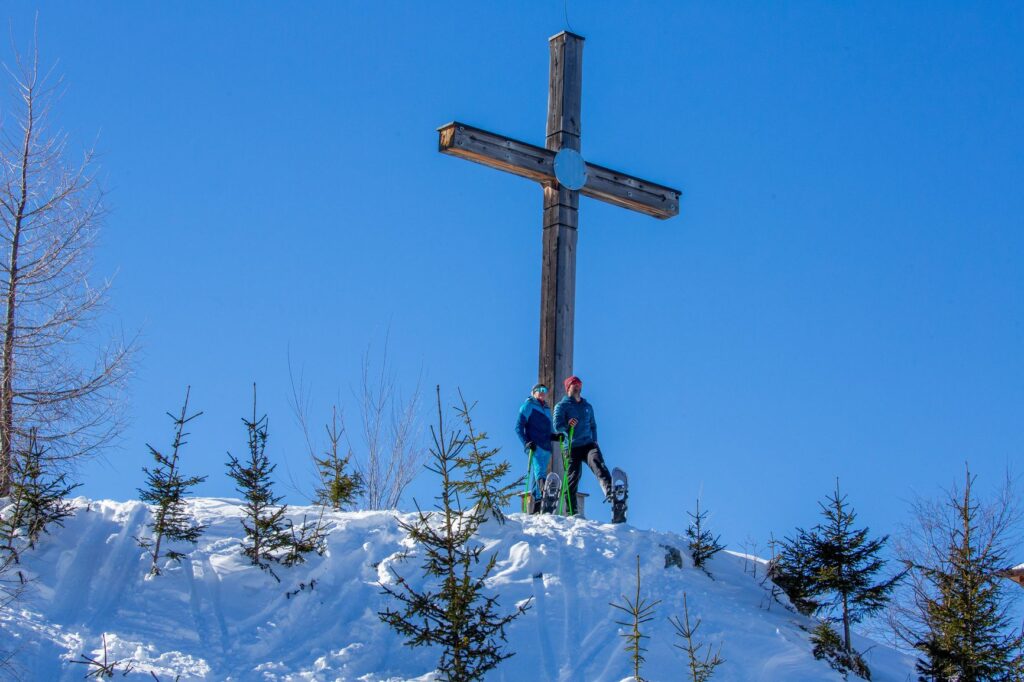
(538, 164)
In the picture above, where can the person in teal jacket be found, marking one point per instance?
(533, 426)
(574, 412)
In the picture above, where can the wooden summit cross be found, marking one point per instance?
(564, 175)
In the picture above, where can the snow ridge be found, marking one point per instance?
(216, 617)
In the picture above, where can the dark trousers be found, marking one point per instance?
(591, 454)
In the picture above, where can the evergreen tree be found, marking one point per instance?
(266, 529)
(833, 571)
(793, 571)
(846, 564)
(958, 613)
(338, 488)
(307, 537)
(703, 543)
(165, 490)
(701, 667)
(37, 500)
(452, 611)
(482, 473)
(640, 611)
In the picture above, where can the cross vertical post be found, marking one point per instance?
(561, 208)
(563, 175)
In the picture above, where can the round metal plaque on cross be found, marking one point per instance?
(570, 169)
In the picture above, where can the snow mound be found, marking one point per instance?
(215, 617)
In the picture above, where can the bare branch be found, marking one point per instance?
(393, 449)
(51, 211)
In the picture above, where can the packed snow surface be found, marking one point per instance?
(216, 617)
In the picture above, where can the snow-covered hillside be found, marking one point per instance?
(216, 617)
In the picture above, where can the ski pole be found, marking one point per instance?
(563, 501)
(529, 474)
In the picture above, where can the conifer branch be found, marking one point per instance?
(339, 488)
(483, 475)
(165, 491)
(453, 610)
(640, 611)
(38, 499)
(701, 667)
(703, 544)
(267, 531)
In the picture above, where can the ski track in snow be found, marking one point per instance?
(568, 583)
(543, 630)
(120, 556)
(214, 616)
(76, 565)
(207, 613)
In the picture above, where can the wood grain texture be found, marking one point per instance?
(565, 92)
(538, 164)
(631, 192)
(497, 151)
(558, 292)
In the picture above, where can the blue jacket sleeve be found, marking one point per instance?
(560, 421)
(521, 425)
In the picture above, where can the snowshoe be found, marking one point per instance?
(620, 494)
(552, 487)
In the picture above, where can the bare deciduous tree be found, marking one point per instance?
(393, 449)
(50, 214)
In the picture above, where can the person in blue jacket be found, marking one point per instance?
(533, 426)
(574, 412)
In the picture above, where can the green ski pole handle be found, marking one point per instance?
(529, 473)
(570, 504)
(564, 502)
(561, 488)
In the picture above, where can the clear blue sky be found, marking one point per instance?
(840, 296)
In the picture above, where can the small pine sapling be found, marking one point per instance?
(165, 491)
(640, 611)
(339, 488)
(44, 493)
(828, 646)
(703, 543)
(105, 668)
(483, 474)
(37, 500)
(266, 530)
(452, 611)
(774, 591)
(305, 538)
(701, 667)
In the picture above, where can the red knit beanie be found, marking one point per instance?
(572, 380)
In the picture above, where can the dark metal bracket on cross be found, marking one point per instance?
(564, 175)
